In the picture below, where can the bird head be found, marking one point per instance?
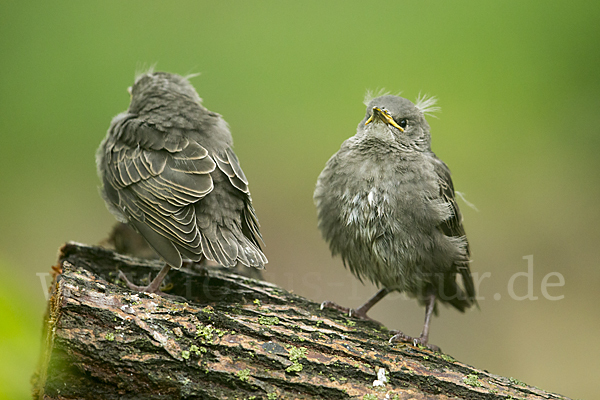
(160, 85)
(398, 121)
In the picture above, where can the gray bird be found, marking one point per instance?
(386, 205)
(168, 169)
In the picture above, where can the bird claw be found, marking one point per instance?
(400, 337)
(417, 342)
(354, 312)
(147, 289)
(335, 306)
(351, 312)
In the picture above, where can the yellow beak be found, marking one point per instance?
(384, 116)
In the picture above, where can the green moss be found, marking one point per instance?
(185, 355)
(268, 320)
(205, 333)
(110, 336)
(515, 381)
(295, 367)
(257, 302)
(197, 350)
(243, 375)
(350, 323)
(220, 332)
(369, 397)
(272, 396)
(472, 380)
(295, 354)
(208, 310)
(446, 357)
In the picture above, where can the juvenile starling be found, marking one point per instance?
(168, 170)
(386, 205)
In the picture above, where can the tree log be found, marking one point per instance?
(224, 336)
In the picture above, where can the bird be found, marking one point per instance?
(168, 170)
(386, 204)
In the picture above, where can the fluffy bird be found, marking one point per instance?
(386, 205)
(168, 169)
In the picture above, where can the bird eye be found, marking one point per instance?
(403, 123)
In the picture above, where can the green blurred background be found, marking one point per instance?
(519, 87)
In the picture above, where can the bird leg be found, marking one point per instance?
(153, 287)
(424, 338)
(360, 312)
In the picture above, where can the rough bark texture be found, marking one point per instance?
(224, 336)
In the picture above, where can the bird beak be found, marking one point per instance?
(384, 116)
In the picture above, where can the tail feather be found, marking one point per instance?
(228, 248)
(459, 297)
(227, 244)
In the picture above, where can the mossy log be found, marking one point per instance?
(224, 336)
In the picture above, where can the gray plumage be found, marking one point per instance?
(386, 205)
(168, 169)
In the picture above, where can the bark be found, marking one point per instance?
(224, 336)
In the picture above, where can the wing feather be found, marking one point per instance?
(229, 164)
(157, 180)
(156, 177)
(235, 164)
(453, 226)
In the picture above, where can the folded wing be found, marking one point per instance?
(157, 183)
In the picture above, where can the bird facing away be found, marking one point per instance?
(386, 205)
(167, 169)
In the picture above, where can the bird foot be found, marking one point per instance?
(400, 337)
(334, 306)
(153, 287)
(351, 312)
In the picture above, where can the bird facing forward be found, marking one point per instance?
(386, 205)
(168, 169)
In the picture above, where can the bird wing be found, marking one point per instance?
(154, 177)
(230, 165)
(453, 226)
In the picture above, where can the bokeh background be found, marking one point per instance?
(519, 87)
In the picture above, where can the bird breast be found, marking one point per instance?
(391, 199)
